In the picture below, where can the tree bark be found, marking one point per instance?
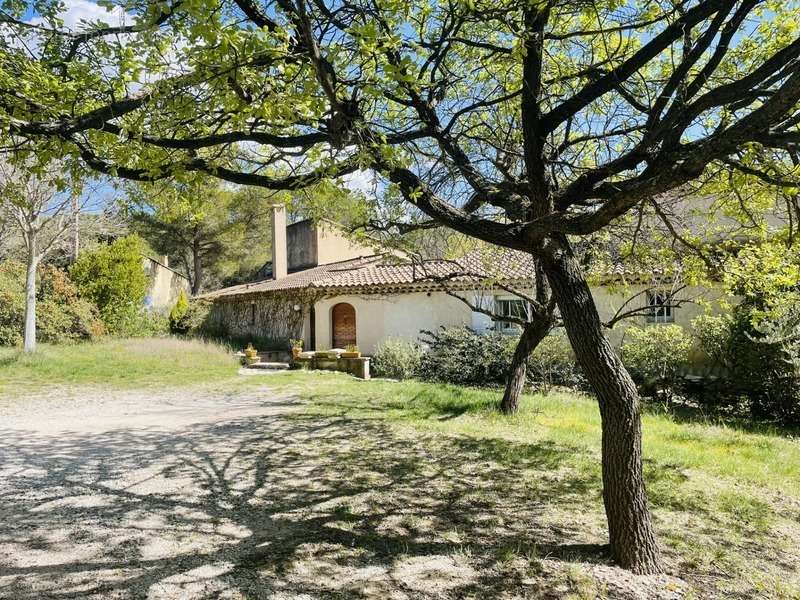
(533, 333)
(30, 296)
(632, 538)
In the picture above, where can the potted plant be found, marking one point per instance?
(297, 347)
(351, 351)
(250, 354)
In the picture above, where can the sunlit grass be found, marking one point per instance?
(570, 420)
(725, 496)
(115, 364)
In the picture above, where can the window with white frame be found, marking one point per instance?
(660, 308)
(510, 307)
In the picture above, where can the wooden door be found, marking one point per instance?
(343, 317)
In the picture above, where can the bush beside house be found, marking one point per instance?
(397, 358)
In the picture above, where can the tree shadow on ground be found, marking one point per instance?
(284, 505)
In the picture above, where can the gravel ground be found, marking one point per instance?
(211, 493)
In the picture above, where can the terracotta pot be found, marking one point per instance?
(296, 350)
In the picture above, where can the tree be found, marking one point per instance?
(30, 199)
(112, 277)
(210, 231)
(527, 125)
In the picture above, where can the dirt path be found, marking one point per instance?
(209, 493)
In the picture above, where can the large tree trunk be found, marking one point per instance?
(633, 541)
(533, 333)
(30, 296)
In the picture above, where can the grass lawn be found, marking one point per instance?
(519, 496)
(114, 364)
(726, 501)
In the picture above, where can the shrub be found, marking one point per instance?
(553, 363)
(760, 371)
(713, 335)
(112, 277)
(459, 355)
(134, 321)
(657, 356)
(397, 358)
(177, 316)
(61, 315)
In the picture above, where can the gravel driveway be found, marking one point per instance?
(213, 493)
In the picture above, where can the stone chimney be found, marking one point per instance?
(279, 268)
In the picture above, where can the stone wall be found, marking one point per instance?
(268, 320)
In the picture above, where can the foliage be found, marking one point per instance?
(712, 333)
(177, 315)
(296, 343)
(214, 234)
(62, 315)
(758, 366)
(461, 356)
(553, 363)
(657, 356)
(112, 277)
(397, 358)
(757, 346)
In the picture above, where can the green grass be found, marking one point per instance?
(725, 499)
(569, 420)
(115, 364)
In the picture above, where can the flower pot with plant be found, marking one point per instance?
(250, 354)
(297, 348)
(351, 351)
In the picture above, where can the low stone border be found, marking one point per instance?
(358, 367)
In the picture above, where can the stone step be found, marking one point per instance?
(269, 366)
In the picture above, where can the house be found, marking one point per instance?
(331, 293)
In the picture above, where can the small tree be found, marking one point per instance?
(177, 315)
(33, 203)
(113, 278)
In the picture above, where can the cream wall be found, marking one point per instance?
(399, 315)
(695, 300)
(165, 285)
(334, 247)
(405, 315)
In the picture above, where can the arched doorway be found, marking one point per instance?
(343, 323)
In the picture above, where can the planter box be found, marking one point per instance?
(351, 354)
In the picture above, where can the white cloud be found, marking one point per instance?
(78, 13)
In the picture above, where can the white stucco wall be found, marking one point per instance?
(405, 315)
(402, 315)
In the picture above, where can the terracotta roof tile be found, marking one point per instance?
(382, 271)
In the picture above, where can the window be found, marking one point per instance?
(252, 313)
(660, 308)
(510, 308)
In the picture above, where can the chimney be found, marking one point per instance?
(164, 260)
(278, 241)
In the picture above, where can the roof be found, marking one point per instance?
(382, 273)
(483, 267)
